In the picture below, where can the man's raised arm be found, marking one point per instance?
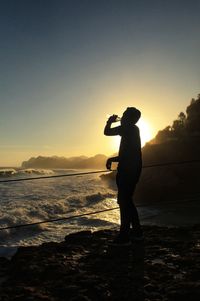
(108, 131)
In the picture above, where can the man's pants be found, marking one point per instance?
(126, 183)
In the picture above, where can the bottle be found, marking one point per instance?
(116, 119)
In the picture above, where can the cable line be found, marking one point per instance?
(95, 172)
(90, 213)
(80, 174)
(56, 219)
(171, 163)
(57, 176)
(196, 197)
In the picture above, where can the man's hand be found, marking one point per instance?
(112, 118)
(108, 163)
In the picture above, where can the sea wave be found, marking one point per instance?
(8, 172)
(34, 201)
(97, 197)
(31, 210)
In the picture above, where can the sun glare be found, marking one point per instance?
(146, 134)
(116, 143)
(145, 131)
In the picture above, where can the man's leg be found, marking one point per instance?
(135, 221)
(136, 233)
(125, 218)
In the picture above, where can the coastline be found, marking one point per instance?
(169, 214)
(85, 267)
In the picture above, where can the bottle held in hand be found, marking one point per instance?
(113, 118)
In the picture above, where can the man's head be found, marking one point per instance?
(130, 116)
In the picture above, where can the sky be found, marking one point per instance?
(65, 65)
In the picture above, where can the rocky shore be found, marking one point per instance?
(166, 266)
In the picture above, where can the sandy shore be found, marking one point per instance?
(166, 266)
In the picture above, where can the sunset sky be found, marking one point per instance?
(65, 65)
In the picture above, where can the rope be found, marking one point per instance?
(95, 172)
(56, 219)
(172, 163)
(80, 174)
(57, 176)
(195, 197)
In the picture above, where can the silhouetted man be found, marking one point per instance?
(128, 172)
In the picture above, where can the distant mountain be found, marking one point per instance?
(95, 162)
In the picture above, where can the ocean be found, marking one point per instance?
(38, 200)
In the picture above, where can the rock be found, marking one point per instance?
(85, 267)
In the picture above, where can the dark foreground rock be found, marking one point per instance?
(166, 266)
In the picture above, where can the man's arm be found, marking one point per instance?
(110, 160)
(108, 131)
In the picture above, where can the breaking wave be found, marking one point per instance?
(34, 201)
(8, 172)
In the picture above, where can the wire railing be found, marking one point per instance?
(91, 213)
(80, 174)
(94, 172)
(55, 176)
(56, 219)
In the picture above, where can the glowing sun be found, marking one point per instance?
(145, 131)
(146, 134)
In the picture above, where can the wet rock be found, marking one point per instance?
(85, 267)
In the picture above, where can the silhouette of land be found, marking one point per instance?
(86, 267)
(97, 161)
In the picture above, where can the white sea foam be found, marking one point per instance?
(8, 172)
(36, 171)
(29, 202)
(34, 201)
